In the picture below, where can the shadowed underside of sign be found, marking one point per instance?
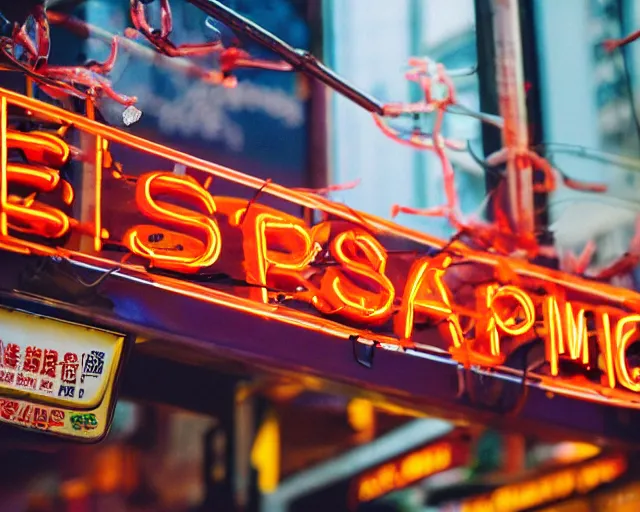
(350, 272)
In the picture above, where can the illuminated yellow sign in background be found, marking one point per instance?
(557, 485)
(406, 470)
(56, 376)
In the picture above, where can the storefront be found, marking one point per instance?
(257, 259)
(120, 252)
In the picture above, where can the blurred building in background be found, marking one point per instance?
(260, 127)
(586, 103)
(198, 435)
(369, 43)
(590, 113)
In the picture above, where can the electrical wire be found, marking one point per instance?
(587, 153)
(467, 386)
(99, 280)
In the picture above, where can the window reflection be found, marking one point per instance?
(389, 172)
(589, 101)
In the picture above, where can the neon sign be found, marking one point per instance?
(342, 274)
(557, 485)
(409, 469)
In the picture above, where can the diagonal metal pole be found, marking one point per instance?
(513, 109)
(300, 60)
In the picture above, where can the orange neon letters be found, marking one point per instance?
(276, 246)
(279, 250)
(519, 320)
(626, 334)
(40, 147)
(409, 469)
(553, 486)
(170, 250)
(358, 290)
(29, 216)
(605, 341)
(567, 332)
(425, 293)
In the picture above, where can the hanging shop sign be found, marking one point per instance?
(557, 485)
(348, 273)
(56, 376)
(450, 452)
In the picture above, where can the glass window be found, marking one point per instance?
(590, 121)
(390, 173)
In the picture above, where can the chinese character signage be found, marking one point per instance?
(348, 274)
(56, 376)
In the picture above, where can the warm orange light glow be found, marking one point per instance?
(571, 452)
(510, 310)
(40, 147)
(567, 332)
(73, 490)
(3, 166)
(266, 454)
(101, 146)
(275, 246)
(288, 259)
(426, 294)
(27, 215)
(554, 486)
(577, 344)
(361, 415)
(554, 334)
(363, 262)
(408, 470)
(108, 469)
(168, 249)
(626, 334)
(604, 327)
(510, 325)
